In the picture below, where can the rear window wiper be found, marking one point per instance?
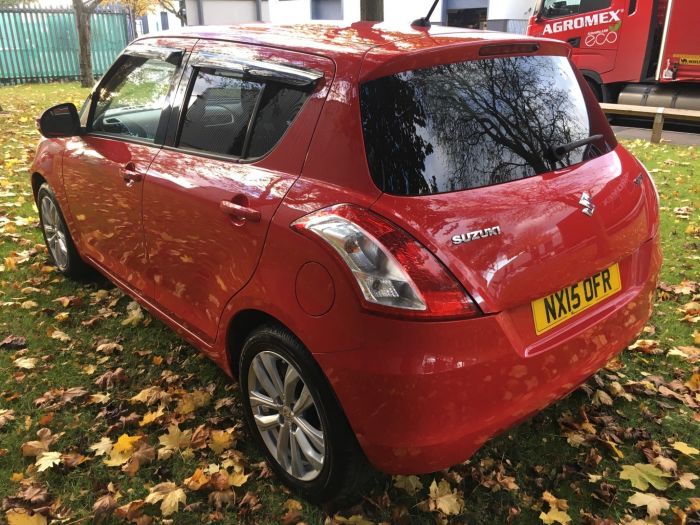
(559, 152)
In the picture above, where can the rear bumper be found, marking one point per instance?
(424, 396)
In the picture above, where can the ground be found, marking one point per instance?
(103, 407)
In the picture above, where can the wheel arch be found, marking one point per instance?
(240, 327)
(37, 180)
(596, 82)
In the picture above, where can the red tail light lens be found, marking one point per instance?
(395, 274)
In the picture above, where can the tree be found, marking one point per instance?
(83, 12)
(175, 7)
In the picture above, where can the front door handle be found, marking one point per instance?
(240, 212)
(129, 173)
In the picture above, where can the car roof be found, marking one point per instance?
(335, 39)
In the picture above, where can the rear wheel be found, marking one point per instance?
(59, 243)
(295, 419)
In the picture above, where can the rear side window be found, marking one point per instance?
(218, 113)
(472, 124)
(228, 114)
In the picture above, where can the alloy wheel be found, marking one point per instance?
(286, 415)
(55, 232)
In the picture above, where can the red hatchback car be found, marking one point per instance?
(401, 242)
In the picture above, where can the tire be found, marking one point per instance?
(596, 88)
(343, 468)
(62, 251)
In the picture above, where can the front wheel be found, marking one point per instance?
(294, 417)
(59, 243)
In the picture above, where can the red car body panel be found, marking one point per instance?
(420, 395)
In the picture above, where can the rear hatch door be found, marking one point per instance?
(463, 153)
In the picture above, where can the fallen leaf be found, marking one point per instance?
(197, 480)
(169, 495)
(22, 517)
(444, 499)
(26, 363)
(47, 460)
(686, 480)
(122, 450)
(134, 314)
(409, 484)
(555, 516)
(686, 449)
(654, 504)
(220, 440)
(641, 475)
(14, 342)
(6, 416)
(174, 440)
(102, 447)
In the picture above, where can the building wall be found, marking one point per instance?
(511, 10)
(153, 23)
(290, 11)
(406, 11)
(510, 16)
(225, 12)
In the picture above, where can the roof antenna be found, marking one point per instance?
(425, 21)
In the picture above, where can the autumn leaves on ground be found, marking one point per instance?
(107, 416)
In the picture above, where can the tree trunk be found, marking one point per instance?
(82, 21)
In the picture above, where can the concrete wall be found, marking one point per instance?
(327, 9)
(511, 9)
(510, 16)
(225, 12)
(290, 11)
(406, 11)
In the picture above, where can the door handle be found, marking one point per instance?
(240, 212)
(129, 173)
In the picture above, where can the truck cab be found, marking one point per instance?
(620, 44)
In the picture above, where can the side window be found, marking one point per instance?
(131, 102)
(228, 115)
(218, 112)
(560, 8)
(279, 107)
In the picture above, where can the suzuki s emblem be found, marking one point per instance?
(587, 203)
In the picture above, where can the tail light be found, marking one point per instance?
(395, 274)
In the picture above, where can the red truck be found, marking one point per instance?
(641, 52)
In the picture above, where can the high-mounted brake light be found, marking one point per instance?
(395, 274)
(508, 49)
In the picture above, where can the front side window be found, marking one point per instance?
(131, 102)
(472, 124)
(229, 115)
(560, 8)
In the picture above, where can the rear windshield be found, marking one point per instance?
(471, 124)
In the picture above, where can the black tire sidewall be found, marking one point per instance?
(329, 481)
(75, 265)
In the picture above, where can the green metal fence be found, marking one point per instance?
(41, 45)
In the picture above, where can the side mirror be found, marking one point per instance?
(60, 121)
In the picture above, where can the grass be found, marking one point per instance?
(535, 456)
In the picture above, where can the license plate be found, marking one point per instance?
(560, 306)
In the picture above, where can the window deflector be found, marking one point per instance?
(291, 75)
(166, 54)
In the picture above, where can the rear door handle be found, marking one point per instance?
(240, 212)
(129, 173)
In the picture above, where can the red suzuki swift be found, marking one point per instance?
(401, 242)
